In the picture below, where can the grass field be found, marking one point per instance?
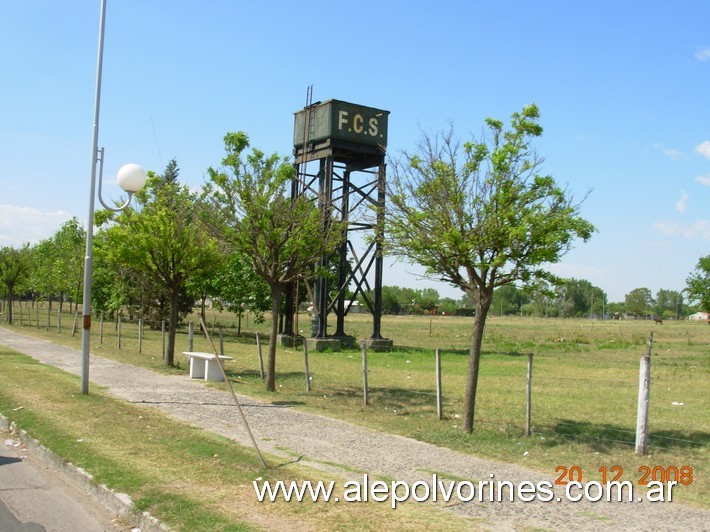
(585, 387)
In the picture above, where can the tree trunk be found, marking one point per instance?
(483, 304)
(8, 304)
(276, 292)
(172, 327)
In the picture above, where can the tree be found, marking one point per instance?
(240, 288)
(639, 301)
(580, 298)
(480, 216)
(698, 284)
(162, 237)
(14, 270)
(508, 299)
(282, 237)
(668, 304)
(68, 264)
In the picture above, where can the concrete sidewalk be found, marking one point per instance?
(326, 442)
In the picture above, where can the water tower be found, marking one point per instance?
(339, 151)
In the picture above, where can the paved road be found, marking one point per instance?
(35, 498)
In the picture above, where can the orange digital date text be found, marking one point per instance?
(682, 475)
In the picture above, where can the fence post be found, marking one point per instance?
(305, 363)
(644, 393)
(190, 336)
(261, 358)
(118, 331)
(101, 329)
(162, 328)
(140, 335)
(221, 342)
(528, 397)
(439, 410)
(73, 327)
(364, 373)
(49, 311)
(59, 321)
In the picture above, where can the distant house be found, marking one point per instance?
(700, 316)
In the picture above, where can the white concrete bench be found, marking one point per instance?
(205, 365)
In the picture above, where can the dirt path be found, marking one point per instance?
(325, 442)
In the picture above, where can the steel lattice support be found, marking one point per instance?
(354, 195)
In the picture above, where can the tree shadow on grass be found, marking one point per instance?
(400, 400)
(602, 437)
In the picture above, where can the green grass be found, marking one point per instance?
(190, 479)
(585, 386)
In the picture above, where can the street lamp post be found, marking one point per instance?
(131, 178)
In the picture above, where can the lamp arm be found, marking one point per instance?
(100, 157)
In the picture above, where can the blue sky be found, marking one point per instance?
(623, 89)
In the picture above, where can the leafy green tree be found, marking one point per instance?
(14, 271)
(163, 239)
(580, 298)
(58, 263)
(668, 304)
(448, 305)
(68, 245)
(240, 288)
(639, 301)
(698, 284)
(480, 216)
(508, 299)
(390, 300)
(282, 237)
(43, 281)
(426, 298)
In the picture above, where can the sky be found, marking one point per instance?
(623, 89)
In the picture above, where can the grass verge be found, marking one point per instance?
(188, 478)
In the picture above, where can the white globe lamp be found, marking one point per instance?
(131, 178)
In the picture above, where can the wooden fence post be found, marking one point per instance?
(73, 327)
(261, 358)
(528, 397)
(59, 321)
(101, 329)
(162, 327)
(439, 410)
(190, 336)
(305, 363)
(140, 335)
(364, 374)
(644, 394)
(118, 331)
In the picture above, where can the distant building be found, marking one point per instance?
(700, 316)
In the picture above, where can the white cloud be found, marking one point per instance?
(703, 55)
(19, 225)
(704, 149)
(703, 180)
(680, 205)
(699, 228)
(669, 152)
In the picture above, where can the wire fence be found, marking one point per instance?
(66, 320)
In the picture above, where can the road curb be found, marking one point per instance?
(117, 503)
